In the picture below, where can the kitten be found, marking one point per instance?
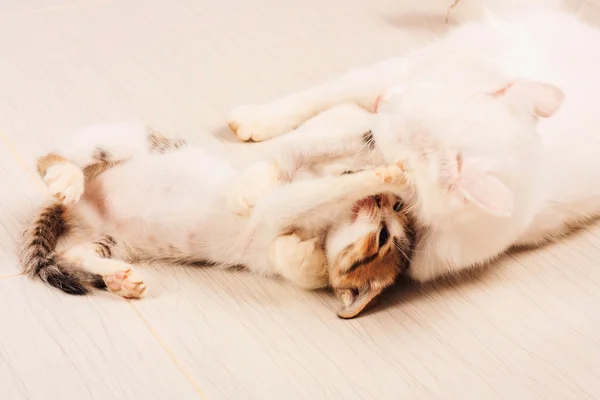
(127, 194)
(497, 159)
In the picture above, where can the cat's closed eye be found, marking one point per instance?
(384, 235)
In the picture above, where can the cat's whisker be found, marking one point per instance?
(365, 146)
(405, 256)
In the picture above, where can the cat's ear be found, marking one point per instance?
(355, 301)
(537, 98)
(480, 186)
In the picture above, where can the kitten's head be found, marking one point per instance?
(471, 146)
(367, 251)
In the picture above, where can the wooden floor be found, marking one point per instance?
(527, 328)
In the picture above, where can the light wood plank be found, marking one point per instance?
(54, 346)
(525, 329)
(182, 65)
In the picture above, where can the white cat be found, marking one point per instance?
(125, 193)
(466, 114)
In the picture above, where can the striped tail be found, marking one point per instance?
(40, 259)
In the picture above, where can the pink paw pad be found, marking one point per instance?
(126, 284)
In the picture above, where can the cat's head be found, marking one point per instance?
(473, 147)
(367, 251)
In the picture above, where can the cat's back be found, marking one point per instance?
(546, 45)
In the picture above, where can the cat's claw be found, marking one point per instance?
(252, 184)
(65, 181)
(126, 283)
(259, 122)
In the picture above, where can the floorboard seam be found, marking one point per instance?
(3, 277)
(167, 350)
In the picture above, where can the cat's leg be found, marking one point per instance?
(118, 276)
(360, 86)
(294, 202)
(301, 262)
(88, 152)
(311, 195)
(343, 131)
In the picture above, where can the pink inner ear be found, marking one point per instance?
(376, 104)
(502, 91)
(484, 190)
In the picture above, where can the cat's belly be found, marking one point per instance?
(171, 187)
(166, 203)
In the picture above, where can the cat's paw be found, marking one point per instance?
(301, 262)
(126, 283)
(257, 123)
(390, 174)
(65, 182)
(253, 183)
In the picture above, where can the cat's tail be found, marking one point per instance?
(40, 259)
(468, 10)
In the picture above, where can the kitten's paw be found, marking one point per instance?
(252, 184)
(301, 262)
(126, 283)
(390, 174)
(259, 122)
(65, 182)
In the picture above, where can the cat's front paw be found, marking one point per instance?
(301, 262)
(252, 184)
(65, 181)
(390, 174)
(257, 123)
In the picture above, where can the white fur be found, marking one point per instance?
(191, 205)
(521, 179)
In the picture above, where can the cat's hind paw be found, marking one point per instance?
(257, 123)
(301, 262)
(65, 181)
(126, 283)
